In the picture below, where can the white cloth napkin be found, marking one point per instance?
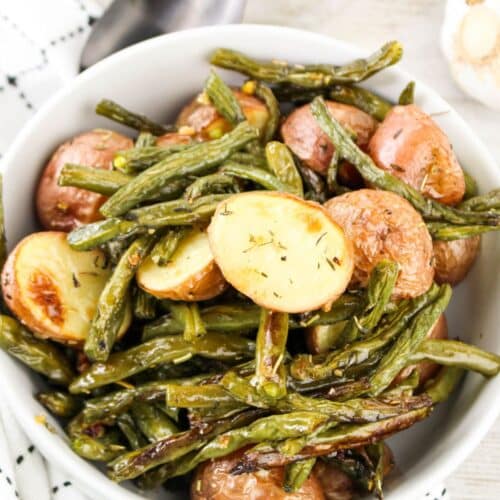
(40, 46)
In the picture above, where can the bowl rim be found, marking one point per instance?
(80, 470)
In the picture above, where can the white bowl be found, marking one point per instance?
(157, 77)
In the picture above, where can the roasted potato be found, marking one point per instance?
(64, 208)
(453, 259)
(173, 138)
(336, 485)
(285, 253)
(213, 481)
(411, 146)
(426, 369)
(191, 275)
(54, 289)
(302, 134)
(382, 225)
(207, 123)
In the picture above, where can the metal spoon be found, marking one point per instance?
(127, 22)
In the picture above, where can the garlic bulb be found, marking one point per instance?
(470, 39)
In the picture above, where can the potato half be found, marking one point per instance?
(285, 253)
(202, 117)
(54, 289)
(191, 275)
(454, 259)
(64, 208)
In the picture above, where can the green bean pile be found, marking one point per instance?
(194, 381)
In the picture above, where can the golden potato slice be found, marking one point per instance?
(410, 145)
(191, 275)
(285, 253)
(453, 259)
(64, 208)
(382, 225)
(54, 289)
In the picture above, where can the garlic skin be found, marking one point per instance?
(470, 40)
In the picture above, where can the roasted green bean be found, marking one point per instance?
(211, 184)
(198, 160)
(297, 473)
(255, 174)
(244, 317)
(167, 245)
(270, 351)
(171, 349)
(60, 404)
(303, 367)
(144, 305)
(97, 180)
(440, 388)
(40, 355)
(152, 422)
(119, 114)
(223, 99)
(132, 161)
(407, 96)
(312, 75)
(430, 209)
(459, 354)
(281, 163)
(407, 343)
(112, 304)
(361, 98)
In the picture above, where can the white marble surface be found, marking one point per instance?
(369, 23)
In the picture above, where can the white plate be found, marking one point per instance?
(157, 77)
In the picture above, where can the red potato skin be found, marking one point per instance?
(410, 145)
(173, 138)
(382, 225)
(213, 481)
(204, 117)
(302, 134)
(64, 208)
(426, 369)
(336, 485)
(453, 259)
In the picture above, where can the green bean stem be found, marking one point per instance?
(407, 95)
